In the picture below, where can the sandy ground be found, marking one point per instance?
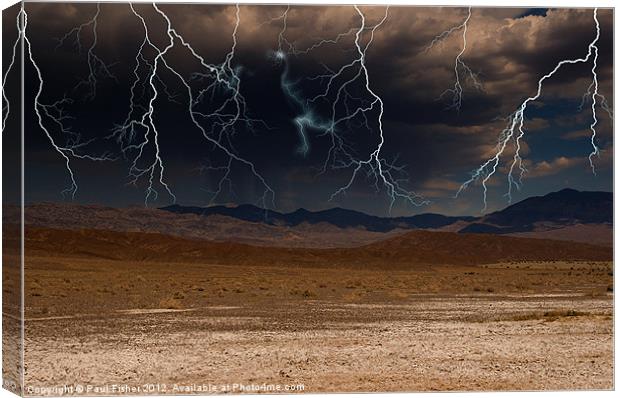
(180, 328)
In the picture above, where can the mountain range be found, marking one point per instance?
(341, 218)
(567, 215)
(564, 208)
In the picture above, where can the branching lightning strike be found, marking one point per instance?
(341, 155)
(96, 66)
(459, 64)
(52, 114)
(222, 120)
(514, 130)
(139, 134)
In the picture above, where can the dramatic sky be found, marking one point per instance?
(429, 147)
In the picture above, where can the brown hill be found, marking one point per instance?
(597, 234)
(71, 216)
(413, 248)
(219, 227)
(449, 247)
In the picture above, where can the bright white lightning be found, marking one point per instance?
(139, 131)
(146, 121)
(53, 113)
(594, 88)
(6, 104)
(223, 119)
(336, 94)
(457, 90)
(292, 49)
(375, 165)
(306, 119)
(96, 65)
(514, 130)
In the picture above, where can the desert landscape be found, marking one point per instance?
(243, 300)
(306, 198)
(135, 312)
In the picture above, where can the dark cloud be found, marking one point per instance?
(509, 49)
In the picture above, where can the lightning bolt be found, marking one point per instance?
(514, 130)
(96, 66)
(281, 53)
(377, 166)
(306, 119)
(222, 120)
(50, 117)
(336, 94)
(139, 134)
(457, 90)
(217, 108)
(6, 104)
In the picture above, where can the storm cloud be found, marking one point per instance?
(508, 49)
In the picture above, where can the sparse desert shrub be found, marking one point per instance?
(555, 314)
(308, 294)
(398, 294)
(520, 317)
(171, 303)
(597, 292)
(547, 316)
(352, 296)
(610, 288)
(178, 296)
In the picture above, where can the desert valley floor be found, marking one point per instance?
(279, 316)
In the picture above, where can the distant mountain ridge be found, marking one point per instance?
(339, 217)
(565, 207)
(562, 208)
(567, 215)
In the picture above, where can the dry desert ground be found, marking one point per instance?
(153, 325)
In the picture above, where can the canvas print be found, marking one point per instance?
(232, 198)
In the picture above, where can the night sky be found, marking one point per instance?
(433, 148)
